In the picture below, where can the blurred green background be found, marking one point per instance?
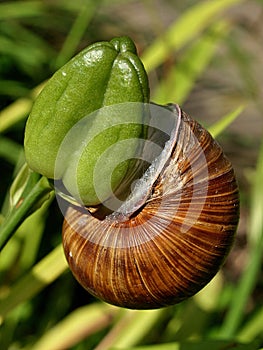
(208, 57)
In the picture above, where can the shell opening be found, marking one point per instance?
(142, 188)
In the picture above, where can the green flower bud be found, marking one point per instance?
(103, 74)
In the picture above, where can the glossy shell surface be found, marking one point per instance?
(174, 244)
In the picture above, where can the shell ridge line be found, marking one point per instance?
(164, 256)
(145, 279)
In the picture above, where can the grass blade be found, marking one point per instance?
(42, 274)
(225, 121)
(18, 110)
(183, 76)
(20, 9)
(236, 312)
(191, 23)
(80, 25)
(131, 329)
(10, 150)
(253, 328)
(76, 326)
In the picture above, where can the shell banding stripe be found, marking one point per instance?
(175, 243)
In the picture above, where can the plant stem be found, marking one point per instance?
(31, 199)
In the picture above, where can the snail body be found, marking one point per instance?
(173, 244)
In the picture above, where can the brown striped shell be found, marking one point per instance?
(174, 244)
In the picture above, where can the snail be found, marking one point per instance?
(170, 245)
(151, 224)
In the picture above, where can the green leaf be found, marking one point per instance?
(187, 345)
(132, 328)
(77, 325)
(242, 292)
(182, 77)
(225, 121)
(18, 110)
(76, 32)
(20, 9)
(34, 193)
(10, 150)
(20, 253)
(42, 274)
(186, 28)
(253, 328)
(19, 184)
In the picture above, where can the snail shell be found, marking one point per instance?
(174, 243)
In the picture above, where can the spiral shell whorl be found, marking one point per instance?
(171, 247)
